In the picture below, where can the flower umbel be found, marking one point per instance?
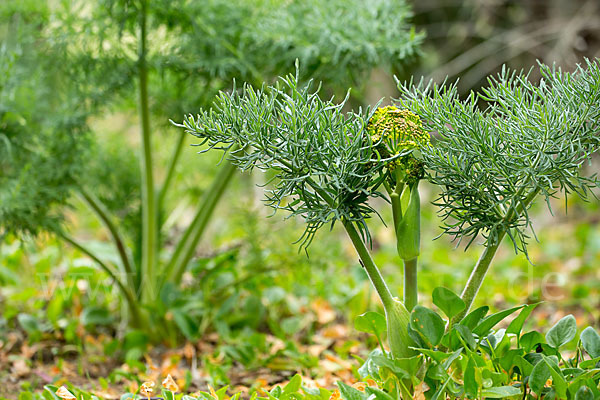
(396, 132)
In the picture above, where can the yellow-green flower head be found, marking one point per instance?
(395, 131)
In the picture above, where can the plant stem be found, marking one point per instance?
(149, 210)
(171, 170)
(187, 245)
(411, 293)
(483, 264)
(476, 278)
(100, 210)
(129, 299)
(369, 265)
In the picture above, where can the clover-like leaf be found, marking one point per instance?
(428, 324)
(591, 341)
(448, 301)
(562, 332)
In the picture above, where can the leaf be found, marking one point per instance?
(591, 341)
(382, 361)
(489, 322)
(500, 392)
(584, 393)
(448, 301)
(516, 324)
(473, 318)
(293, 385)
(558, 380)
(370, 322)
(96, 316)
(530, 339)
(539, 376)
(377, 394)
(350, 393)
(185, 324)
(428, 324)
(466, 335)
(562, 332)
(29, 324)
(471, 386)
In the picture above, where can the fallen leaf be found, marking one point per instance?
(64, 394)
(170, 384)
(325, 313)
(147, 388)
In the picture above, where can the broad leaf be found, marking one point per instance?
(428, 324)
(562, 332)
(370, 322)
(350, 393)
(500, 392)
(591, 341)
(473, 318)
(539, 376)
(448, 301)
(584, 393)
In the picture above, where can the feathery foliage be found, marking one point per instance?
(491, 162)
(322, 157)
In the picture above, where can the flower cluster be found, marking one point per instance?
(396, 134)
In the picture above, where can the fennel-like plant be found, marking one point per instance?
(490, 163)
(161, 57)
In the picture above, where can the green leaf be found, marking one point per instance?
(500, 392)
(516, 324)
(489, 322)
(293, 385)
(539, 376)
(562, 332)
(531, 339)
(448, 301)
(96, 316)
(584, 393)
(377, 394)
(471, 385)
(371, 322)
(591, 341)
(29, 323)
(558, 380)
(466, 335)
(168, 395)
(186, 325)
(392, 365)
(350, 393)
(428, 324)
(473, 318)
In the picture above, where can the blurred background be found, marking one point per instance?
(70, 124)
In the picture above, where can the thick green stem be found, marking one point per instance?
(411, 293)
(187, 245)
(372, 271)
(476, 279)
(103, 214)
(129, 298)
(483, 264)
(149, 210)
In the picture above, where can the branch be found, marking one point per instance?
(131, 302)
(103, 214)
(187, 244)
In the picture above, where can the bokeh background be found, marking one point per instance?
(248, 285)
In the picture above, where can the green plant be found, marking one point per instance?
(472, 360)
(490, 164)
(156, 58)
